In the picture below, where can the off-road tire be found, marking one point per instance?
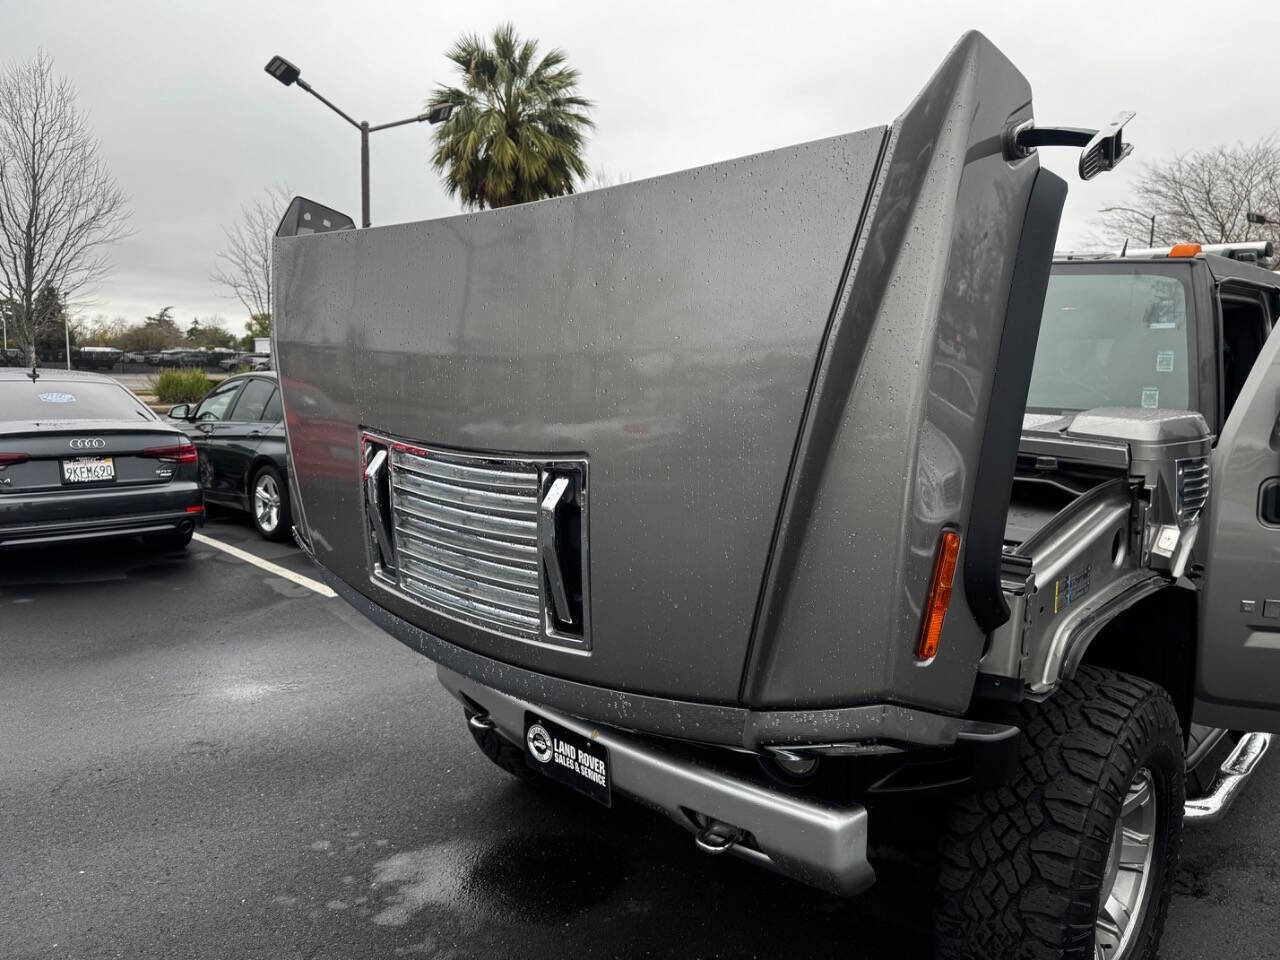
(1021, 865)
(502, 752)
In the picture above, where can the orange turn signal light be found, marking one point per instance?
(935, 609)
(1184, 250)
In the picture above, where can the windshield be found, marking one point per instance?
(48, 399)
(1113, 335)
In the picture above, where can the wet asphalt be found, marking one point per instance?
(200, 759)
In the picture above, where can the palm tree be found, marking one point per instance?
(518, 126)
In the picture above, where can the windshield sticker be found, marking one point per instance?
(1164, 361)
(1165, 311)
(57, 398)
(1150, 398)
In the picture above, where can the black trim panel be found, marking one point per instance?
(993, 484)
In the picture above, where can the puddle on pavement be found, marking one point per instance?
(538, 879)
(545, 878)
(431, 876)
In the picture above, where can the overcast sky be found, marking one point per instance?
(192, 127)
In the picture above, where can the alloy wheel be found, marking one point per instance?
(266, 503)
(1126, 884)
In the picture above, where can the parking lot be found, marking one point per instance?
(206, 759)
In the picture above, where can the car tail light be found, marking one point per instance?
(184, 452)
(9, 459)
(935, 609)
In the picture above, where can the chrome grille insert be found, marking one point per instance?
(466, 539)
(466, 536)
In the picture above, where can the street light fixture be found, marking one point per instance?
(283, 70)
(288, 74)
(1151, 239)
(1259, 218)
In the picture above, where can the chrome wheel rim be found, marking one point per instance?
(1127, 882)
(266, 503)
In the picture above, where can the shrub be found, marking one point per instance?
(185, 385)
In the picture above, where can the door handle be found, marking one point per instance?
(255, 433)
(375, 509)
(549, 548)
(1269, 501)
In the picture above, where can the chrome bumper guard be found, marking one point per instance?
(818, 844)
(1232, 776)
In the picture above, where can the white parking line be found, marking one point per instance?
(267, 565)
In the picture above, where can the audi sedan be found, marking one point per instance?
(238, 431)
(81, 458)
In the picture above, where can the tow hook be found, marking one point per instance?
(479, 721)
(717, 837)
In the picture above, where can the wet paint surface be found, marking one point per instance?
(200, 763)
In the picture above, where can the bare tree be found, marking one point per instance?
(59, 207)
(1204, 197)
(244, 265)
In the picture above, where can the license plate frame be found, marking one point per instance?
(73, 468)
(567, 757)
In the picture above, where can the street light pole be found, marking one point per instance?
(1151, 238)
(288, 74)
(364, 173)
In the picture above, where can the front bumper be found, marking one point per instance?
(843, 729)
(819, 844)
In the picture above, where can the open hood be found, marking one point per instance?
(772, 384)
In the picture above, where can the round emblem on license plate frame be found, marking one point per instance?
(539, 741)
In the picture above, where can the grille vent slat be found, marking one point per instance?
(469, 521)
(460, 497)
(480, 478)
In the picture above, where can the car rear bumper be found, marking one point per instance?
(57, 518)
(816, 843)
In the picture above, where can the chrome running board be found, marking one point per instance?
(1232, 776)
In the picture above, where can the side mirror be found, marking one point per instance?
(1100, 150)
(1106, 149)
(181, 412)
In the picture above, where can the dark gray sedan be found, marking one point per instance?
(239, 432)
(82, 458)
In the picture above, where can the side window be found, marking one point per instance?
(273, 413)
(253, 400)
(217, 403)
(1245, 324)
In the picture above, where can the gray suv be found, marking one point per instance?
(745, 492)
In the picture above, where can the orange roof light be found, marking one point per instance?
(1184, 250)
(935, 609)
